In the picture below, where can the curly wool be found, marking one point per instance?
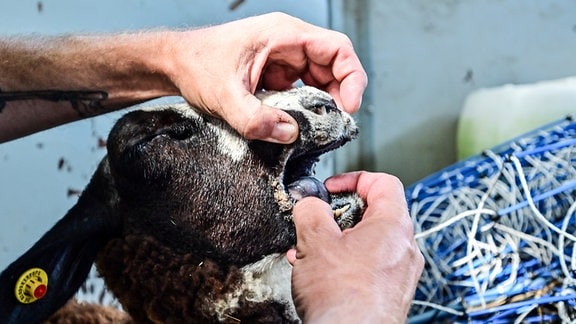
(154, 283)
(75, 312)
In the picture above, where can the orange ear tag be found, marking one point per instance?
(31, 286)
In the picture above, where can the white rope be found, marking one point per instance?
(490, 239)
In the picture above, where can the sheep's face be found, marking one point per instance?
(188, 221)
(196, 185)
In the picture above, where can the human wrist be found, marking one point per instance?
(165, 60)
(352, 309)
(185, 63)
(148, 64)
(358, 304)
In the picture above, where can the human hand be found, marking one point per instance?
(218, 69)
(368, 272)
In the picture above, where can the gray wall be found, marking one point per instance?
(424, 56)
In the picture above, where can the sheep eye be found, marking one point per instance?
(319, 110)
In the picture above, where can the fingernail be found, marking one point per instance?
(284, 132)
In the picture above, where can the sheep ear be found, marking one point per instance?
(49, 274)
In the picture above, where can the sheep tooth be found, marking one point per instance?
(340, 211)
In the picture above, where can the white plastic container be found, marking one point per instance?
(492, 116)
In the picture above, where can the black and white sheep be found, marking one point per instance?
(186, 220)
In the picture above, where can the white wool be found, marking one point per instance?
(230, 143)
(264, 280)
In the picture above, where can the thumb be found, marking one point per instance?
(253, 120)
(271, 125)
(314, 222)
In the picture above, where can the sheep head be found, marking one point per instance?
(182, 197)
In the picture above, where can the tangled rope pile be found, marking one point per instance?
(498, 233)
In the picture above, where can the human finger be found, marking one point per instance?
(374, 188)
(314, 222)
(344, 66)
(269, 124)
(256, 120)
(362, 182)
(319, 57)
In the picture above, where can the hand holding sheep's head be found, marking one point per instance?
(194, 216)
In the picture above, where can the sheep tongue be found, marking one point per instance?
(308, 186)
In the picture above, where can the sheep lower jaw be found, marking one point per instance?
(298, 180)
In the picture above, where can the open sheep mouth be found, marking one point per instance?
(299, 178)
(300, 183)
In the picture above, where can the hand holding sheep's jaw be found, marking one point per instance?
(323, 128)
(347, 208)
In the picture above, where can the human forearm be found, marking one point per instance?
(216, 69)
(350, 306)
(356, 298)
(121, 66)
